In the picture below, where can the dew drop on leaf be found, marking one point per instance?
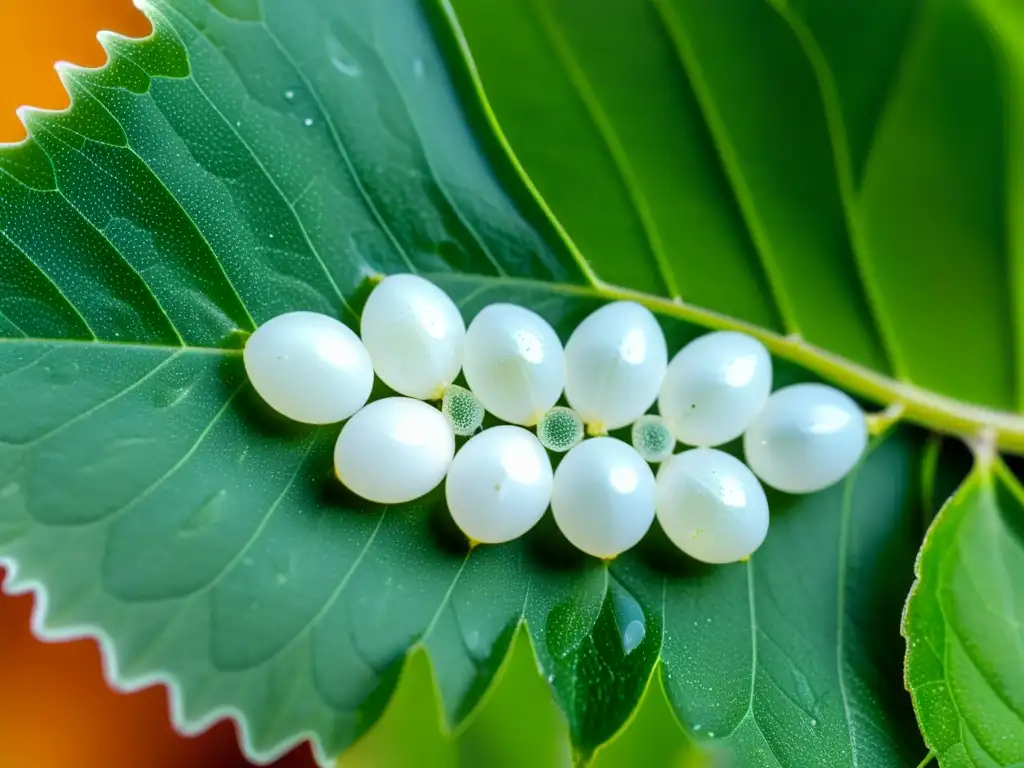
(62, 373)
(629, 617)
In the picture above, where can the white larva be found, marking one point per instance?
(711, 506)
(309, 367)
(614, 363)
(603, 497)
(714, 387)
(415, 336)
(394, 450)
(514, 363)
(806, 438)
(499, 484)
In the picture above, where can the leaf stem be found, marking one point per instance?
(939, 413)
(900, 400)
(927, 759)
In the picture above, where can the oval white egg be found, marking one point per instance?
(514, 363)
(603, 497)
(711, 506)
(394, 450)
(714, 387)
(615, 361)
(499, 484)
(415, 336)
(806, 438)
(309, 367)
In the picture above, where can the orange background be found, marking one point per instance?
(55, 708)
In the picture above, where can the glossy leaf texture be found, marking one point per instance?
(965, 661)
(841, 174)
(252, 158)
(805, 166)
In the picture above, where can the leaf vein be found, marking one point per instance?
(270, 178)
(620, 159)
(730, 162)
(342, 151)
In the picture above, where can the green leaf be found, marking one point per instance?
(803, 167)
(965, 659)
(251, 158)
(246, 160)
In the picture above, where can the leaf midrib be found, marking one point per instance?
(907, 401)
(914, 404)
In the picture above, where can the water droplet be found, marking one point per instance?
(697, 727)
(10, 490)
(282, 579)
(473, 640)
(341, 60)
(308, 122)
(630, 618)
(238, 123)
(205, 515)
(248, 561)
(289, 95)
(169, 397)
(711, 734)
(551, 678)
(417, 68)
(63, 372)
(814, 723)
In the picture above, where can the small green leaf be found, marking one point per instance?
(964, 618)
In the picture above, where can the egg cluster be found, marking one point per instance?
(604, 495)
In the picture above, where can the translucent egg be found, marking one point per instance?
(560, 429)
(714, 387)
(711, 506)
(652, 438)
(415, 336)
(309, 367)
(499, 484)
(394, 450)
(807, 437)
(514, 363)
(603, 497)
(462, 409)
(614, 363)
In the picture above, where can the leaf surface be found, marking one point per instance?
(963, 623)
(252, 158)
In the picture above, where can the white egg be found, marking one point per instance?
(714, 387)
(309, 367)
(394, 450)
(806, 438)
(711, 506)
(499, 484)
(415, 336)
(614, 363)
(514, 363)
(603, 497)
